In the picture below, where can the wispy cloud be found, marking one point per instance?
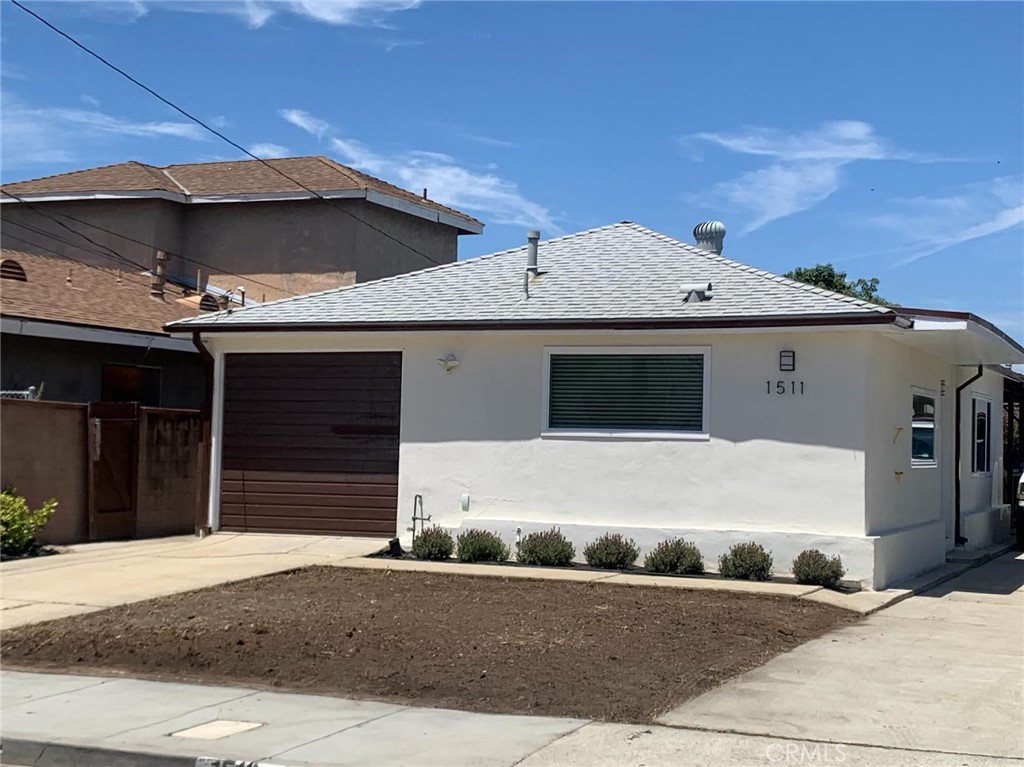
(391, 45)
(923, 226)
(448, 181)
(269, 151)
(58, 134)
(805, 166)
(489, 141)
(257, 13)
(305, 121)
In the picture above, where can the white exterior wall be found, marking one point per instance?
(829, 469)
(909, 508)
(785, 470)
(983, 518)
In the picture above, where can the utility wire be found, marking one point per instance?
(56, 238)
(217, 133)
(47, 214)
(126, 276)
(113, 253)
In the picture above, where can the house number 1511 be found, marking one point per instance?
(784, 387)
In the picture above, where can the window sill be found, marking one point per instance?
(647, 436)
(982, 474)
(921, 464)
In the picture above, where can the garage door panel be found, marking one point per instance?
(288, 499)
(311, 443)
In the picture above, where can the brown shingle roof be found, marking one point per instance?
(94, 296)
(321, 174)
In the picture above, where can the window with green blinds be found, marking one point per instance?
(627, 392)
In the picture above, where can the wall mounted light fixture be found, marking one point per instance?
(787, 361)
(449, 362)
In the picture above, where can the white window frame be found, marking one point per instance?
(925, 463)
(986, 401)
(548, 432)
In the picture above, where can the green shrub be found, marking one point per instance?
(746, 561)
(675, 556)
(549, 548)
(481, 546)
(816, 569)
(611, 552)
(433, 543)
(19, 524)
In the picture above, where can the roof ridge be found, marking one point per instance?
(409, 275)
(229, 162)
(762, 272)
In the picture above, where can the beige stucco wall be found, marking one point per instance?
(298, 246)
(308, 246)
(159, 222)
(43, 456)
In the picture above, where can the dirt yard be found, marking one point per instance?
(608, 652)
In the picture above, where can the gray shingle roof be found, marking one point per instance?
(622, 271)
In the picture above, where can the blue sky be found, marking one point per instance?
(886, 138)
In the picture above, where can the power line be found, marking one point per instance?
(56, 238)
(217, 133)
(47, 214)
(113, 253)
(62, 257)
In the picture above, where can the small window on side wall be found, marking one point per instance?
(981, 426)
(923, 429)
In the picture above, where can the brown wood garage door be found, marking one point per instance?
(311, 443)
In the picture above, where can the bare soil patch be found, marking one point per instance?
(607, 652)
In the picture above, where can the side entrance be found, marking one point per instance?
(311, 443)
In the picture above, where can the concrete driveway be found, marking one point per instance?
(943, 671)
(95, 576)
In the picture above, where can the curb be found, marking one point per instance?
(17, 751)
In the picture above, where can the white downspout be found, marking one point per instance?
(216, 440)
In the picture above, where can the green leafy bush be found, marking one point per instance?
(611, 552)
(816, 569)
(433, 543)
(19, 523)
(675, 556)
(549, 548)
(746, 561)
(481, 546)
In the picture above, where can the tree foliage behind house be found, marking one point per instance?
(826, 276)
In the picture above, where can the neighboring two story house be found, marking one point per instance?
(277, 229)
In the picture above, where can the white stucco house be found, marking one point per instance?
(613, 380)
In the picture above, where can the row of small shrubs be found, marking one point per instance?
(613, 551)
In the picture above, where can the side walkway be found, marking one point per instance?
(943, 671)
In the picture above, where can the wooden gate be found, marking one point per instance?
(113, 444)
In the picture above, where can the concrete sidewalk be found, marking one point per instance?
(942, 671)
(94, 576)
(52, 720)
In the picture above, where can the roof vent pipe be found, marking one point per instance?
(708, 235)
(156, 285)
(532, 239)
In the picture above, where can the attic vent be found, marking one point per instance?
(208, 303)
(12, 270)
